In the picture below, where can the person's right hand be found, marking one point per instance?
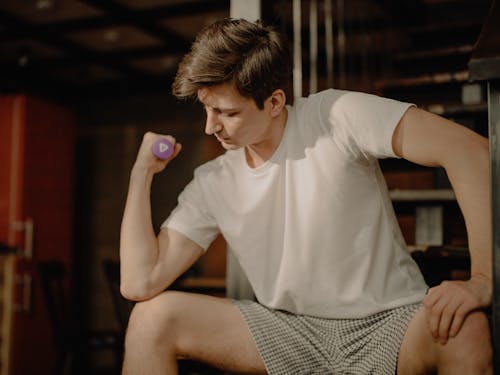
(145, 157)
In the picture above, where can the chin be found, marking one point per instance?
(230, 146)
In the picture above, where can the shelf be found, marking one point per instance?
(457, 109)
(436, 52)
(461, 76)
(446, 27)
(202, 283)
(424, 195)
(439, 263)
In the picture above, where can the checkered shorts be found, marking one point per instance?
(297, 345)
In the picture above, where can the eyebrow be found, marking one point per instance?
(223, 110)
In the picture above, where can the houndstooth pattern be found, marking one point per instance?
(302, 345)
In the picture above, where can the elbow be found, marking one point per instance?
(472, 151)
(484, 146)
(482, 154)
(469, 163)
(134, 291)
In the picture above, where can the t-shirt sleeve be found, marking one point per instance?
(191, 216)
(363, 124)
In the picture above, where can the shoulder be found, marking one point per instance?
(318, 99)
(337, 104)
(315, 108)
(217, 167)
(354, 102)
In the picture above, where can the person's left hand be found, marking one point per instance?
(448, 304)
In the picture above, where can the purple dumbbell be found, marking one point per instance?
(162, 149)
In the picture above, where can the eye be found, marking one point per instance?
(231, 114)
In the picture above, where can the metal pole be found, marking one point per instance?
(341, 43)
(297, 49)
(313, 46)
(494, 133)
(329, 43)
(237, 284)
(250, 10)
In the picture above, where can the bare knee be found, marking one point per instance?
(471, 348)
(152, 322)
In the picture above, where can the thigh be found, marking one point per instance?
(470, 349)
(209, 329)
(417, 354)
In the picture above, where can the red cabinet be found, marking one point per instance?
(36, 219)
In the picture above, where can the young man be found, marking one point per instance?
(300, 198)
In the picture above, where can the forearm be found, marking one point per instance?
(470, 178)
(426, 139)
(139, 249)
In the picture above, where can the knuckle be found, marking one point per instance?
(460, 313)
(435, 310)
(446, 284)
(433, 326)
(434, 332)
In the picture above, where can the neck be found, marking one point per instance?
(258, 153)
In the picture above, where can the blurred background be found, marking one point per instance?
(81, 81)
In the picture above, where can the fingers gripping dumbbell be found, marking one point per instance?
(162, 149)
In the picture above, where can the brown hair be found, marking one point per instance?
(254, 57)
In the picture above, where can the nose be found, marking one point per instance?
(212, 125)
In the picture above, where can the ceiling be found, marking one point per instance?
(91, 47)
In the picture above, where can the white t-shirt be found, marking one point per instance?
(314, 227)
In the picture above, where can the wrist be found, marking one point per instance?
(141, 175)
(482, 277)
(140, 171)
(485, 287)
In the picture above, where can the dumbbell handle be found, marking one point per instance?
(162, 148)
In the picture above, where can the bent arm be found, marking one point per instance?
(149, 263)
(430, 140)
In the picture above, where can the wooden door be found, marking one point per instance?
(36, 195)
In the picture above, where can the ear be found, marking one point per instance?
(277, 101)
